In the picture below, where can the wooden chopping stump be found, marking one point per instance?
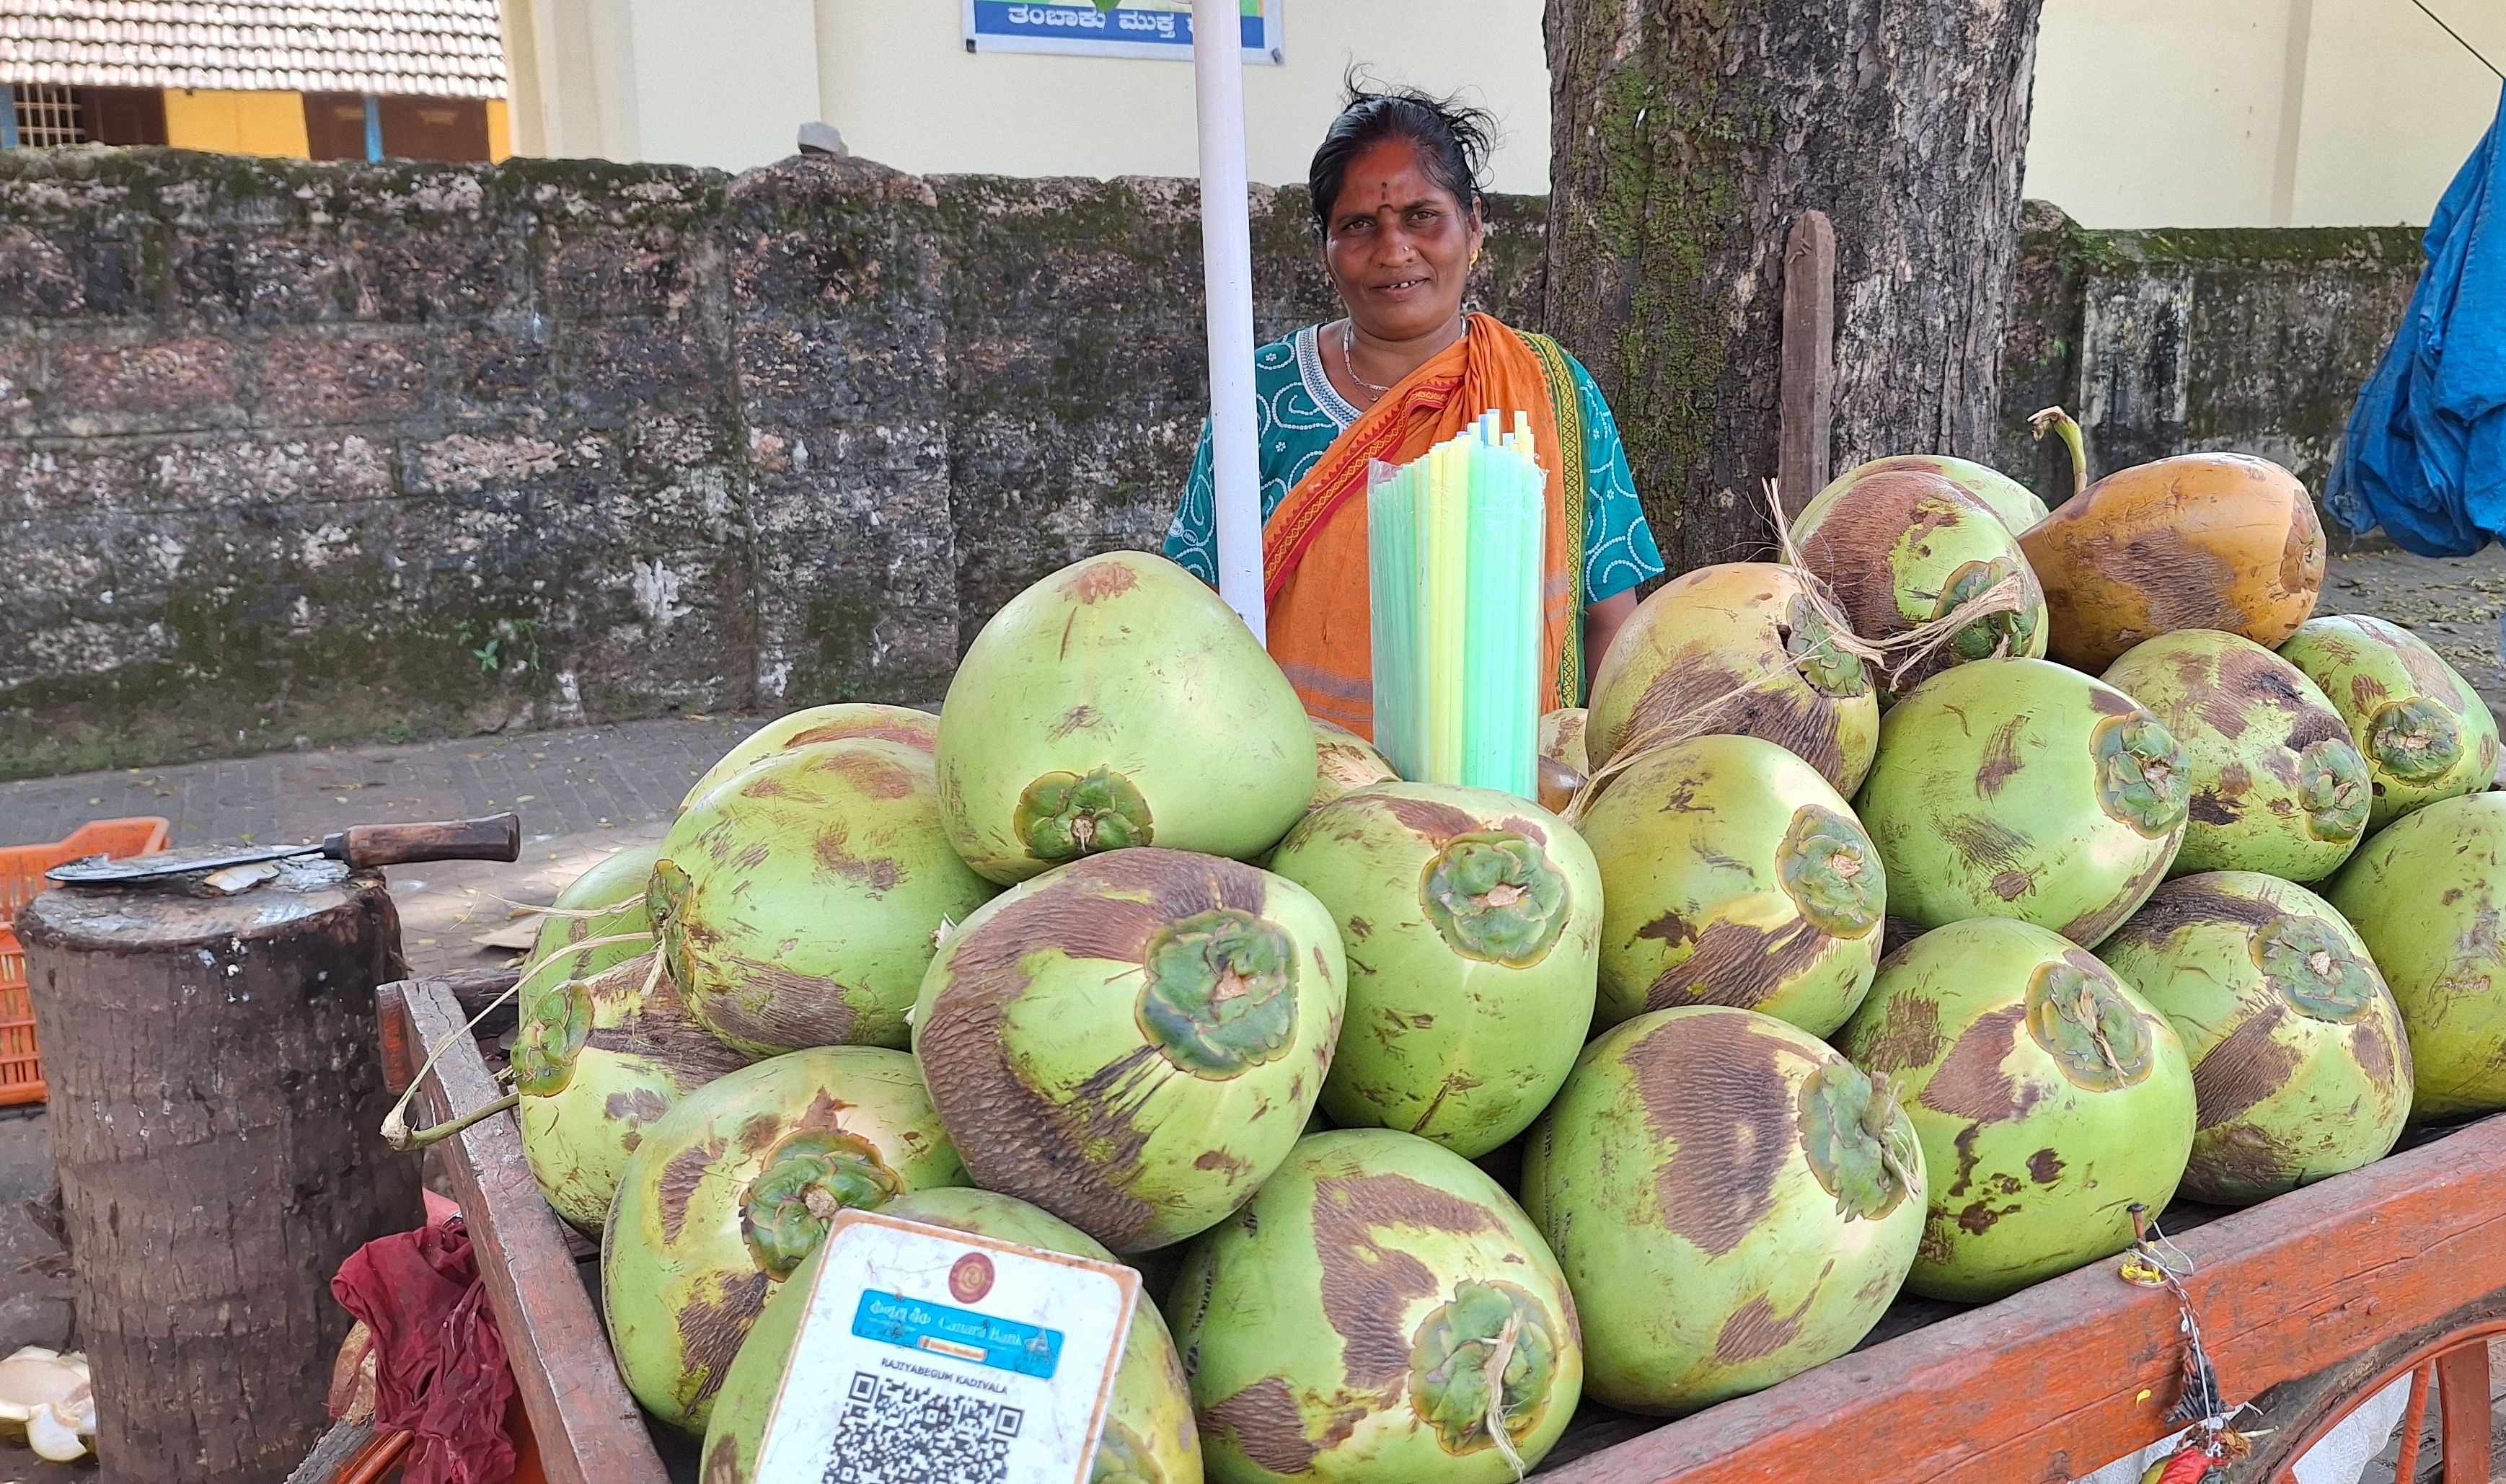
(215, 1095)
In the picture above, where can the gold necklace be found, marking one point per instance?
(1348, 361)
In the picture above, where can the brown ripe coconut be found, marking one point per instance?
(1133, 1041)
(1747, 648)
(2221, 540)
(1902, 548)
(2278, 784)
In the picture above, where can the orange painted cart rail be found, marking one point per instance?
(2310, 1303)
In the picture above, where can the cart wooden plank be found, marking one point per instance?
(2076, 1372)
(586, 1424)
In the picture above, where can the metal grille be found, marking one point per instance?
(46, 115)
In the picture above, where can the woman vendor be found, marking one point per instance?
(1396, 192)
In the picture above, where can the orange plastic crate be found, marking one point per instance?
(21, 875)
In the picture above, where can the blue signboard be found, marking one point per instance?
(1111, 27)
(1003, 1344)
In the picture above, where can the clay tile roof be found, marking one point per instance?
(438, 48)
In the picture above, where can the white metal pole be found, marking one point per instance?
(1227, 278)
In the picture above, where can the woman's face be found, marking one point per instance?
(1399, 246)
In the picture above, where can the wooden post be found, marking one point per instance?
(1806, 396)
(214, 1098)
(2463, 1411)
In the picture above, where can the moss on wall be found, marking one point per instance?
(376, 451)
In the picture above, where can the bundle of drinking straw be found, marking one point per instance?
(1453, 575)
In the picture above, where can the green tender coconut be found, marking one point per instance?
(1740, 647)
(616, 882)
(1344, 1328)
(1902, 548)
(597, 1061)
(1732, 875)
(2300, 1069)
(1133, 1041)
(1472, 922)
(1148, 1436)
(1117, 702)
(2021, 789)
(1731, 1201)
(799, 899)
(733, 1189)
(2425, 733)
(1345, 760)
(2049, 1097)
(916, 730)
(2426, 896)
(1562, 739)
(2013, 502)
(2277, 784)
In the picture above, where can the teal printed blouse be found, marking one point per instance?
(1299, 415)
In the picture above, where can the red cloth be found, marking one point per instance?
(440, 1368)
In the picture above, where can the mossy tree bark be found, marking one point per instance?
(1687, 136)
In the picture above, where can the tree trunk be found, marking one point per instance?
(216, 1090)
(1689, 134)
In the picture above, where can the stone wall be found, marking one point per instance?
(296, 453)
(2159, 342)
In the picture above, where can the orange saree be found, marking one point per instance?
(1313, 545)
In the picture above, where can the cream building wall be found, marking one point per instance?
(728, 83)
(2257, 112)
(2148, 113)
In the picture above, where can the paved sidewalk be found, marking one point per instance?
(2452, 603)
(567, 782)
(582, 792)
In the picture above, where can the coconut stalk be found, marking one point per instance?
(2067, 428)
(396, 1131)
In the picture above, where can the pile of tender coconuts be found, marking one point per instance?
(1428, 1110)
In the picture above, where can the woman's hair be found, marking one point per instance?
(1453, 141)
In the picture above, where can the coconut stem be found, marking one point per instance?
(419, 1139)
(396, 1130)
(1492, 1371)
(2067, 428)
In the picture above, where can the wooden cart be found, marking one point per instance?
(2310, 1304)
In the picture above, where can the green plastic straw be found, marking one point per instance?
(1392, 582)
(1454, 577)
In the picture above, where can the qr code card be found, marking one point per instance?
(936, 1357)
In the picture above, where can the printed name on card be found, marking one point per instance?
(935, 1356)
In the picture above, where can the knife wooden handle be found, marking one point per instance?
(497, 837)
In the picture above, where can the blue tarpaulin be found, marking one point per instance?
(2426, 453)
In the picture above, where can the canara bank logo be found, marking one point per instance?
(971, 1279)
